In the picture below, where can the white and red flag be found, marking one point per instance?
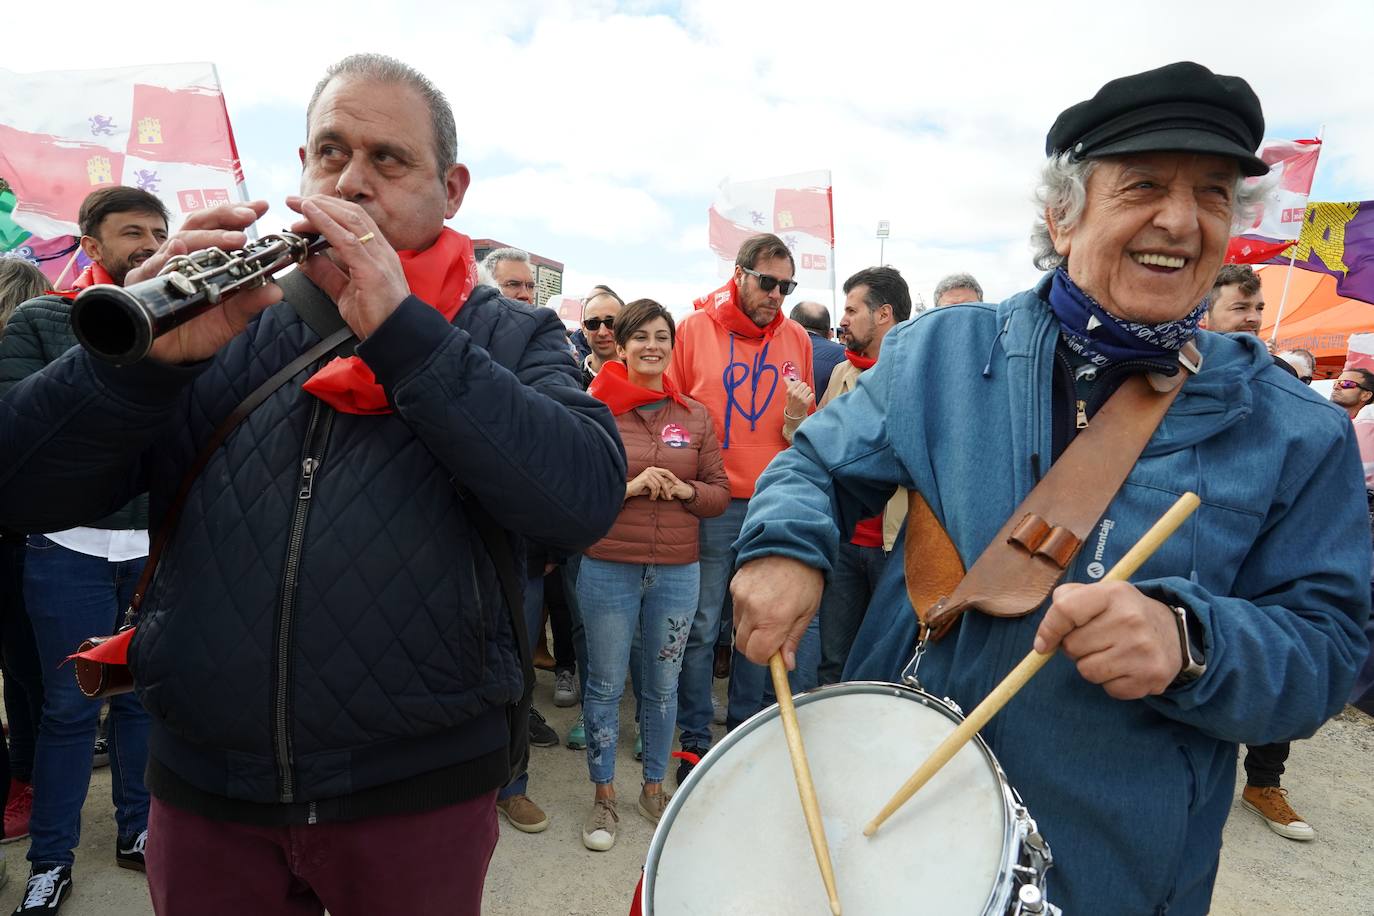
(796, 208)
(163, 128)
(1292, 166)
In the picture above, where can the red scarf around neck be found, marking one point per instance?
(443, 276)
(91, 276)
(860, 361)
(724, 308)
(613, 386)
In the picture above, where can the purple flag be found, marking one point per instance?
(1338, 239)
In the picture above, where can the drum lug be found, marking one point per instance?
(952, 705)
(1036, 860)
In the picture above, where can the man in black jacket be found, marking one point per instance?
(325, 650)
(79, 579)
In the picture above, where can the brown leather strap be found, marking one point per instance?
(1036, 545)
(935, 571)
(226, 426)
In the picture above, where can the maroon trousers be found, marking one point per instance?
(416, 864)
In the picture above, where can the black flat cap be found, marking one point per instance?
(1182, 107)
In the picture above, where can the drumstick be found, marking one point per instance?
(1023, 672)
(811, 806)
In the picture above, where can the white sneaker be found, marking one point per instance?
(598, 833)
(564, 689)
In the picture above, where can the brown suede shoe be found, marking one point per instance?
(653, 806)
(1270, 803)
(523, 814)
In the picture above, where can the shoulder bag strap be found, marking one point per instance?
(1034, 548)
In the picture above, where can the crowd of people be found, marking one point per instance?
(334, 658)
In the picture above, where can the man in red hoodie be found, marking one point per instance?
(735, 354)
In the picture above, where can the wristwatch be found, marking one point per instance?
(1194, 664)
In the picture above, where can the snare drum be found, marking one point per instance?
(733, 839)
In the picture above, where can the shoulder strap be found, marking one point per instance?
(315, 308)
(226, 426)
(1034, 548)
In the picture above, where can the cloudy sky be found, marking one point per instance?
(597, 132)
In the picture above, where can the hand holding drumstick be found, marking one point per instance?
(1073, 628)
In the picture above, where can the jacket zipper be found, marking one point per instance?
(316, 437)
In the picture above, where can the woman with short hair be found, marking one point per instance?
(643, 575)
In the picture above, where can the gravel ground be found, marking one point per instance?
(1330, 778)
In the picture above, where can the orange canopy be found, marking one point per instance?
(1314, 317)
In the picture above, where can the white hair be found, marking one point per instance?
(1063, 193)
(486, 271)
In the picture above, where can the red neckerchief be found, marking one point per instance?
(724, 309)
(91, 276)
(613, 386)
(860, 361)
(442, 276)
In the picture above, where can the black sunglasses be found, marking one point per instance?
(767, 283)
(594, 324)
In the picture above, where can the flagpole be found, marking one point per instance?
(1288, 278)
(57, 284)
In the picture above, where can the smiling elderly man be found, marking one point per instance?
(325, 651)
(1243, 627)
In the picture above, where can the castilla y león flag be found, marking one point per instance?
(162, 128)
(796, 208)
(1292, 166)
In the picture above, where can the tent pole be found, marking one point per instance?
(1288, 278)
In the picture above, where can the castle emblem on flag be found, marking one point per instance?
(98, 170)
(147, 180)
(149, 130)
(785, 220)
(102, 126)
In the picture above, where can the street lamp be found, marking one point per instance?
(884, 230)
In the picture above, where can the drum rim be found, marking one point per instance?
(998, 897)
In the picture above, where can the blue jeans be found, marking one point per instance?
(617, 599)
(718, 536)
(71, 596)
(751, 686)
(847, 593)
(534, 616)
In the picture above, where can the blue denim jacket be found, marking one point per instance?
(1131, 795)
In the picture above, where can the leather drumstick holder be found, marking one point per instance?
(1032, 551)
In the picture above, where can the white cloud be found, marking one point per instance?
(576, 206)
(607, 125)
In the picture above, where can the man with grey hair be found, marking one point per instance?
(510, 271)
(1254, 637)
(1302, 362)
(956, 289)
(329, 651)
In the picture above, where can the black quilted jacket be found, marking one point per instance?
(38, 332)
(326, 636)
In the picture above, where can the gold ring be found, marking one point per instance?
(365, 238)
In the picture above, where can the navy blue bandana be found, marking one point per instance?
(1101, 338)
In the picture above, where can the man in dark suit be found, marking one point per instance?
(825, 353)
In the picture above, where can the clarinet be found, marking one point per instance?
(119, 324)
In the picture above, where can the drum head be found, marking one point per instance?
(734, 840)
